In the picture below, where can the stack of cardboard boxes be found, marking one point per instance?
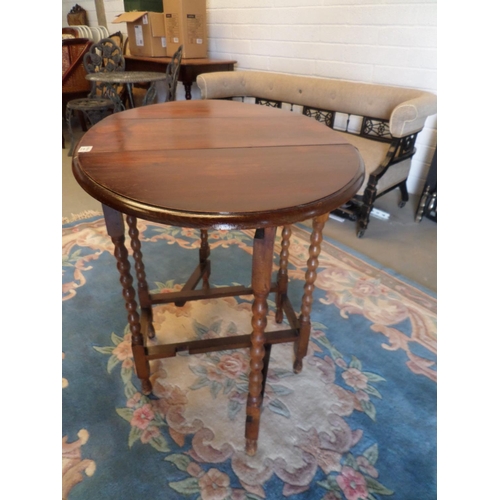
(160, 34)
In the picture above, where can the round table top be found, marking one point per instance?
(217, 164)
(126, 76)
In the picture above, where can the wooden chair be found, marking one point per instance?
(103, 99)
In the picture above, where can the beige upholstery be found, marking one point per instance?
(407, 109)
(373, 153)
(403, 111)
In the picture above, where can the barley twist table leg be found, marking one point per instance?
(142, 285)
(116, 229)
(204, 254)
(283, 272)
(262, 262)
(307, 298)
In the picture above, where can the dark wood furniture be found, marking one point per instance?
(74, 83)
(190, 68)
(218, 165)
(427, 205)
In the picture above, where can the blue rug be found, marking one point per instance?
(359, 422)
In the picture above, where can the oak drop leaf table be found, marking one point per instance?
(216, 164)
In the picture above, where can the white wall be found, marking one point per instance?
(391, 42)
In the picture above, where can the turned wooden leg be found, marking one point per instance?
(283, 273)
(204, 267)
(262, 264)
(116, 229)
(142, 285)
(204, 255)
(307, 299)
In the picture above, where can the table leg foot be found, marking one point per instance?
(297, 366)
(147, 388)
(251, 447)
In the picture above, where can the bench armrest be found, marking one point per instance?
(409, 116)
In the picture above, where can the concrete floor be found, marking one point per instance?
(399, 243)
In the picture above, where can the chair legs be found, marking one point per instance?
(369, 197)
(364, 214)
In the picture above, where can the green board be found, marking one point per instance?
(143, 5)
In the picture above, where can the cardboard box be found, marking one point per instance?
(186, 25)
(146, 33)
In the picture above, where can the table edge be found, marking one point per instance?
(245, 220)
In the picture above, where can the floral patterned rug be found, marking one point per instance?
(359, 422)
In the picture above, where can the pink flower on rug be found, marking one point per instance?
(353, 484)
(366, 288)
(142, 417)
(127, 363)
(194, 470)
(344, 402)
(214, 374)
(340, 362)
(233, 365)
(149, 434)
(214, 485)
(134, 400)
(366, 466)
(123, 350)
(362, 396)
(355, 378)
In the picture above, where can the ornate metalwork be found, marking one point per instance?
(321, 115)
(105, 56)
(173, 69)
(268, 102)
(93, 110)
(377, 129)
(406, 147)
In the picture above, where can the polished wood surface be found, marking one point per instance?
(190, 68)
(219, 164)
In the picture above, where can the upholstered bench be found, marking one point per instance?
(380, 120)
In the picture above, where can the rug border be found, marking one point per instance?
(390, 274)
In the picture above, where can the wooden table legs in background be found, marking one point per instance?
(260, 344)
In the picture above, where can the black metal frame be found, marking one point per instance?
(373, 128)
